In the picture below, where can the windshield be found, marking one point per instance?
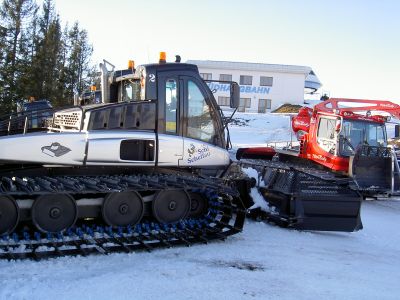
(37, 105)
(356, 133)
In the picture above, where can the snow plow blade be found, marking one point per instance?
(371, 168)
(307, 202)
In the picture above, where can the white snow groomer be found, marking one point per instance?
(147, 167)
(141, 170)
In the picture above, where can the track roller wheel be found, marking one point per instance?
(121, 209)
(171, 206)
(198, 205)
(9, 214)
(54, 213)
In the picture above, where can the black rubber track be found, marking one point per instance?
(224, 216)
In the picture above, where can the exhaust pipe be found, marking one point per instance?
(105, 81)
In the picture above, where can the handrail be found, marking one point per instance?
(283, 144)
(26, 125)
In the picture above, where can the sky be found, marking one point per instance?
(353, 46)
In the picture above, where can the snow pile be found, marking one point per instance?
(260, 129)
(258, 200)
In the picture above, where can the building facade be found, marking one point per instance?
(263, 87)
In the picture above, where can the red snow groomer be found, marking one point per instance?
(343, 154)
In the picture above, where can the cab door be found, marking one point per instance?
(202, 139)
(169, 127)
(326, 134)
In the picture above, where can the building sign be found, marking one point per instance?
(243, 88)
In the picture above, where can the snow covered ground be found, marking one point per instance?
(262, 262)
(253, 129)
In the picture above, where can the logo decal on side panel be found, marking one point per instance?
(319, 157)
(196, 154)
(191, 150)
(55, 150)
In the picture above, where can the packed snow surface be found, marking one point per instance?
(262, 262)
(252, 129)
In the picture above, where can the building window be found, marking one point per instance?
(263, 105)
(266, 81)
(225, 77)
(206, 76)
(244, 103)
(246, 80)
(223, 101)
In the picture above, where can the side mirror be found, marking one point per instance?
(235, 95)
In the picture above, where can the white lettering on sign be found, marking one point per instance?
(243, 88)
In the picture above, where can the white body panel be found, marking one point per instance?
(198, 153)
(104, 147)
(170, 150)
(46, 148)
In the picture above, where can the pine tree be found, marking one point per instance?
(44, 71)
(38, 57)
(15, 15)
(61, 85)
(3, 34)
(78, 61)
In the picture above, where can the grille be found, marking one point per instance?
(68, 120)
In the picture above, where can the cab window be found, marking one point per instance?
(356, 133)
(326, 129)
(130, 90)
(200, 123)
(326, 134)
(170, 106)
(375, 135)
